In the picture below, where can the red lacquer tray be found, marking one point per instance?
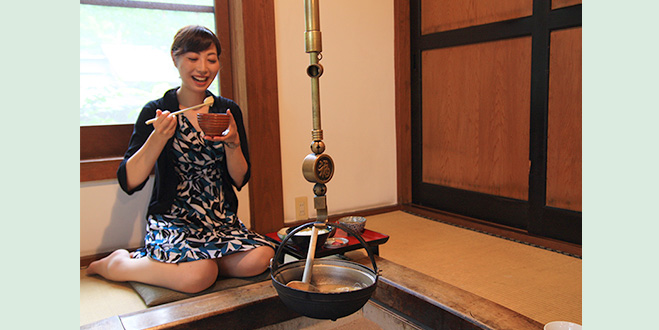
(372, 238)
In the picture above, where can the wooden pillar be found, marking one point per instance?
(255, 88)
(403, 100)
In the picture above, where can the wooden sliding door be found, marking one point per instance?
(496, 112)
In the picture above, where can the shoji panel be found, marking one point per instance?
(564, 121)
(442, 15)
(475, 110)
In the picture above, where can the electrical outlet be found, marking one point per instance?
(301, 211)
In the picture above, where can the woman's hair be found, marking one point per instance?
(194, 38)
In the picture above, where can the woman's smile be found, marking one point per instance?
(201, 81)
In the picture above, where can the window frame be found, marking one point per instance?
(102, 146)
(250, 75)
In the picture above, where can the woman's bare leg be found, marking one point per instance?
(246, 264)
(190, 277)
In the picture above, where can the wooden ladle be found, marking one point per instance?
(207, 101)
(305, 284)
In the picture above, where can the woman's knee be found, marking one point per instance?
(200, 275)
(261, 258)
(246, 264)
(266, 253)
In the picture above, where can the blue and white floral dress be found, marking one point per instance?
(198, 225)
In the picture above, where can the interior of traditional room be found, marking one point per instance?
(454, 128)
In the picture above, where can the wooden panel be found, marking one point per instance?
(104, 141)
(101, 150)
(223, 31)
(99, 169)
(564, 122)
(442, 15)
(260, 75)
(475, 110)
(564, 3)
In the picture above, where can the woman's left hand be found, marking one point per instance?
(230, 136)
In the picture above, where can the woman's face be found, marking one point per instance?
(198, 70)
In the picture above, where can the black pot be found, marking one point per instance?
(325, 305)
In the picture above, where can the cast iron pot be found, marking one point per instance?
(325, 305)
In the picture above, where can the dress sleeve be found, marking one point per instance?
(141, 132)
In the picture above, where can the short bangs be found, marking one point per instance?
(194, 38)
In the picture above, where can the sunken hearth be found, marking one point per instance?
(415, 299)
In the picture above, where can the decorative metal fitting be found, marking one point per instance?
(318, 168)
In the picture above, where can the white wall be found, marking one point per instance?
(110, 219)
(357, 102)
(357, 109)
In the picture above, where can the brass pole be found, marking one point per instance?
(313, 45)
(316, 167)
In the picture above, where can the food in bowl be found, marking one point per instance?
(335, 242)
(331, 288)
(301, 238)
(307, 231)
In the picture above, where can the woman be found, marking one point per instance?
(193, 233)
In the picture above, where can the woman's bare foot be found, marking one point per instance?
(106, 267)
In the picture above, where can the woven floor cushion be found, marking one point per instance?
(155, 295)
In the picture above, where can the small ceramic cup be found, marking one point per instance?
(562, 325)
(355, 223)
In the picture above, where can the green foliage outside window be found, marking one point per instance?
(125, 59)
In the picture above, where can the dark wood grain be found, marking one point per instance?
(402, 69)
(475, 112)
(262, 107)
(442, 15)
(564, 121)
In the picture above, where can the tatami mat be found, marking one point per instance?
(538, 283)
(541, 284)
(100, 299)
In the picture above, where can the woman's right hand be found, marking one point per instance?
(165, 124)
(140, 164)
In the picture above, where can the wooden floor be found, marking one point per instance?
(540, 284)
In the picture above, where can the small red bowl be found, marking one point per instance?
(213, 124)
